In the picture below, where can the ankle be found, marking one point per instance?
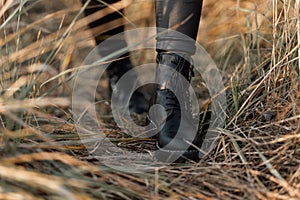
(180, 62)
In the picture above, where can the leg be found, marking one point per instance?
(181, 16)
(95, 6)
(116, 70)
(175, 52)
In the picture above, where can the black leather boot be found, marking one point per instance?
(178, 139)
(115, 71)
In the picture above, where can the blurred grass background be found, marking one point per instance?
(254, 43)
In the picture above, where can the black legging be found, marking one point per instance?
(95, 6)
(183, 14)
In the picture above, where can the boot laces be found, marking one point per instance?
(173, 103)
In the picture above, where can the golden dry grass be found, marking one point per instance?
(256, 45)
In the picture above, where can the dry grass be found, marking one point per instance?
(257, 157)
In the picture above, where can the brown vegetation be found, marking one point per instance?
(256, 45)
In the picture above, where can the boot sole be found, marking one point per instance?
(176, 156)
